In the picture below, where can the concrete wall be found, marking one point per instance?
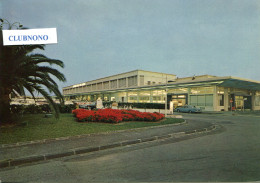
(129, 80)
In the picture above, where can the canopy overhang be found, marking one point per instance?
(241, 84)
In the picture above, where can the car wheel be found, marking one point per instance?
(190, 111)
(178, 110)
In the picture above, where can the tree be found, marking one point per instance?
(21, 69)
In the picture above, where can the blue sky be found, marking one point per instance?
(98, 38)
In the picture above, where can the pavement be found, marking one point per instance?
(29, 152)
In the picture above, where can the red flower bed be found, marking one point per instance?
(115, 115)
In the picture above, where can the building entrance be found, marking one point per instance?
(241, 102)
(179, 100)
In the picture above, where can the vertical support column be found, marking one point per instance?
(215, 99)
(253, 100)
(126, 100)
(226, 101)
(188, 96)
(151, 96)
(138, 96)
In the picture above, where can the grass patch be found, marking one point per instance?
(35, 127)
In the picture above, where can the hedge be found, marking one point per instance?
(127, 105)
(45, 108)
(34, 109)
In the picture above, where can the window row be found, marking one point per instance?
(201, 100)
(113, 84)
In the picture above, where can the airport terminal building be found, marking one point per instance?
(210, 93)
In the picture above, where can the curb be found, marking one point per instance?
(18, 144)
(38, 158)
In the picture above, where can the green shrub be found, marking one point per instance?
(17, 109)
(67, 108)
(141, 105)
(38, 109)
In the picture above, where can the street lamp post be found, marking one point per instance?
(166, 90)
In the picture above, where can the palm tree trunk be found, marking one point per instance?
(5, 112)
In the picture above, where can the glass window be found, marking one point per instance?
(88, 87)
(144, 96)
(121, 94)
(157, 99)
(178, 90)
(132, 93)
(201, 100)
(147, 93)
(257, 100)
(209, 89)
(84, 88)
(113, 84)
(99, 86)
(106, 85)
(194, 100)
(209, 100)
(132, 97)
(161, 92)
(132, 81)
(193, 91)
(94, 86)
(202, 90)
(141, 80)
(158, 96)
(122, 82)
(220, 90)
(144, 99)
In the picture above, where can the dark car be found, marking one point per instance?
(90, 106)
(188, 108)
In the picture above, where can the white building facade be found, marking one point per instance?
(210, 93)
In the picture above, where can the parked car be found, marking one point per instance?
(91, 106)
(188, 108)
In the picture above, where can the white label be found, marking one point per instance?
(30, 36)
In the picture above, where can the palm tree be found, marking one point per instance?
(21, 70)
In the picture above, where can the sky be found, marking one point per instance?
(99, 38)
